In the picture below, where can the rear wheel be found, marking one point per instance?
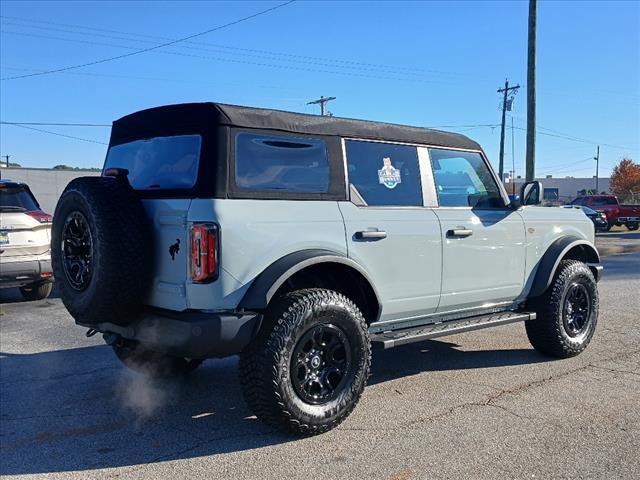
(36, 291)
(567, 313)
(633, 226)
(306, 369)
(154, 364)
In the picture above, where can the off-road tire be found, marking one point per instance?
(153, 364)
(633, 226)
(548, 333)
(266, 365)
(121, 254)
(36, 291)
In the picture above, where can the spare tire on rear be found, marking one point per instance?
(101, 250)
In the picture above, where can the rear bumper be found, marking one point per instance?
(191, 334)
(25, 271)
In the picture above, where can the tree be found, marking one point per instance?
(625, 177)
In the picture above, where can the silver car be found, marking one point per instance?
(25, 237)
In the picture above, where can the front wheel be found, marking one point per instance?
(633, 226)
(153, 364)
(306, 369)
(567, 313)
(36, 291)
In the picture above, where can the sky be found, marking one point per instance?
(430, 64)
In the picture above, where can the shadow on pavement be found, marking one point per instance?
(439, 355)
(13, 295)
(79, 409)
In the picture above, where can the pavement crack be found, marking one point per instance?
(615, 370)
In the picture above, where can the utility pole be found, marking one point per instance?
(322, 101)
(506, 91)
(531, 94)
(6, 157)
(513, 160)
(597, 159)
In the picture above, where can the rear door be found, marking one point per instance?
(388, 229)
(483, 241)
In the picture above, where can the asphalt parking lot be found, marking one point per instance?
(476, 405)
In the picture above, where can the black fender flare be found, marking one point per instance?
(271, 279)
(553, 256)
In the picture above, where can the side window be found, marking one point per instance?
(464, 180)
(384, 174)
(279, 163)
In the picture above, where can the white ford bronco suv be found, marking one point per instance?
(299, 241)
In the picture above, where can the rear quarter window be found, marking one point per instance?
(163, 163)
(281, 163)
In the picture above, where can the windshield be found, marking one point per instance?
(599, 201)
(17, 199)
(158, 163)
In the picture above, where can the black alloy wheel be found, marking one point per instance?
(576, 310)
(77, 251)
(319, 363)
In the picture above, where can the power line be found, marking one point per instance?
(58, 124)
(55, 133)
(568, 136)
(411, 70)
(144, 50)
(574, 139)
(231, 60)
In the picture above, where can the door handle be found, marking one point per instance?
(459, 232)
(370, 235)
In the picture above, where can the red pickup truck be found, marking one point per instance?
(617, 214)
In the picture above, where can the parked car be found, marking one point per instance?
(599, 219)
(298, 241)
(25, 237)
(617, 214)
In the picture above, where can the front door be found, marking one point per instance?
(483, 240)
(388, 229)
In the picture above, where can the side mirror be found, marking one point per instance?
(530, 193)
(514, 201)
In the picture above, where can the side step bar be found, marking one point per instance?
(424, 332)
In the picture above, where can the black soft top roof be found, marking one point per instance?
(173, 119)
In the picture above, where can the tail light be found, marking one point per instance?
(40, 216)
(204, 252)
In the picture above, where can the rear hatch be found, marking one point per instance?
(164, 171)
(25, 230)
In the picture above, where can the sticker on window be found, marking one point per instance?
(388, 175)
